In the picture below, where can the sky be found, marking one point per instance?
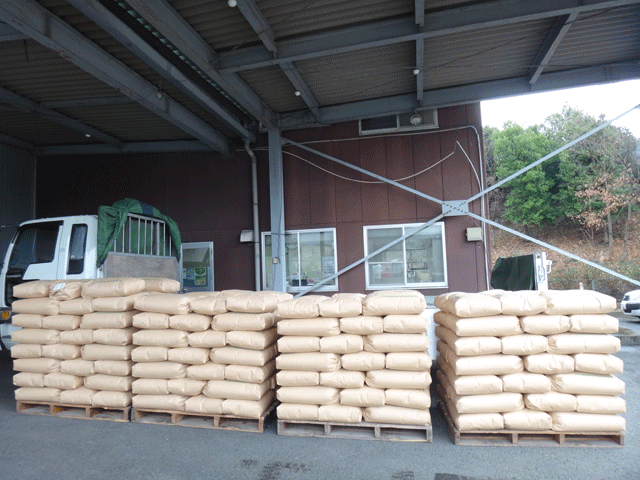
(611, 100)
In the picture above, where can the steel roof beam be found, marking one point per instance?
(16, 142)
(38, 23)
(261, 26)
(174, 28)
(9, 34)
(559, 29)
(389, 32)
(136, 147)
(56, 117)
(130, 39)
(87, 102)
(474, 93)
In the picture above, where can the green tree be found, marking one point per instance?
(529, 195)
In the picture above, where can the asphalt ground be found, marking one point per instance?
(37, 447)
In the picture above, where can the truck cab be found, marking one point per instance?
(49, 249)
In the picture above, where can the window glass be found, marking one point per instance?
(77, 245)
(35, 244)
(310, 256)
(417, 261)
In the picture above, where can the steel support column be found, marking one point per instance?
(276, 190)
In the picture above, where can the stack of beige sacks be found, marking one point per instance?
(352, 357)
(74, 347)
(208, 353)
(530, 360)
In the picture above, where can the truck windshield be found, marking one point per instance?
(35, 243)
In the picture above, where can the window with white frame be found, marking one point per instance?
(418, 261)
(309, 258)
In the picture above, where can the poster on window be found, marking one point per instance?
(328, 266)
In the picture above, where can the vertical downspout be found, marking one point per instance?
(256, 224)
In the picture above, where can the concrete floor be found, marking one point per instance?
(34, 447)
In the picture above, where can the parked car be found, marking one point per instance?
(631, 303)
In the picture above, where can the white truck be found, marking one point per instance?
(70, 248)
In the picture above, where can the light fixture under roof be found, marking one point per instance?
(232, 3)
(415, 119)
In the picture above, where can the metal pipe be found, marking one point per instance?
(256, 224)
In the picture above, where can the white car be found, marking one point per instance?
(631, 303)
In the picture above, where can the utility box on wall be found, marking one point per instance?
(196, 265)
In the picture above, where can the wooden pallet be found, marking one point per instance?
(63, 410)
(547, 438)
(202, 420)
(356, 431)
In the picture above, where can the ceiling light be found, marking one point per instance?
(88, 135)
(297, 93)
(232, 3)
(416, 71)
(415, 119)
(159, 95)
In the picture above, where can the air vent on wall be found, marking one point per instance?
(419, 120)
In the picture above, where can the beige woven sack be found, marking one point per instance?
(203, 404)
(362, 397)
(549, 363)
(297, 411)
(190, 322)
(571, 302)
(78, 396)
(339, 413)
(527, 420)
(587, 422)
(363, 361)
(186, 386)
(303, 307)
(242, 356)
(298, 344)
(569, 343)
(593, 324)
(252, 340)
(207, 339)
(524, 344)
(551, 402)
(169, 303)
(161, 338)
(162, 285)
(26, 350)
(342, 379)
(81, 336)
(67, 290)
(77, 306)
(397, 415)
(489, 403)
(167, 403)
(151, 320)
(588, 384)
(526, 382)
(78, 366)
(255, 322)
(112, 287)
(606, 404)
(249, 374)
(467, 346)
(408, 361)
(309, 395)
(470, 422)
(600, 363)
(166, 370)
(524, 302)
(468, 304)
(405, 323)
(394, 302)
(237, 390)
(26, 320)
(545, 324)
(34, 289)
(396, 342)
(150, 386)
(61, 322)
(110, 383)
(248, 408)
(343, 343)
(114, 336)
(62, 381)
(341, 305)
(207, 371)
(361, 325)
(120, 368)
(115, 304)
(107, 320)
(213, 303)
(150, 354)
(297, 378)
(36, 365)
(36, 306)
(491, 326)
(257, 302)
(27, 394)
(481, 364)
(317, 327)
(398, 379)
(189, 355)
(106, 352)
(62, 351)
(319, 362)
(468, 384)
(37, 336)
(419, 399)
